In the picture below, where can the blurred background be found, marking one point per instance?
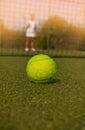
(60, 25)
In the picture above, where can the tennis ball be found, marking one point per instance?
(41, 69)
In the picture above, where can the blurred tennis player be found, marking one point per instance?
(30, 33)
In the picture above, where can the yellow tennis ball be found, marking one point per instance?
(41, 69)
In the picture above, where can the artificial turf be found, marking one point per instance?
(54, 106)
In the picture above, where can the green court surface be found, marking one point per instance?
(55, 106)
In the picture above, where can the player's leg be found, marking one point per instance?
(27, 44)
(32, 43)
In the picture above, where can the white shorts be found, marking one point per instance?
(30, 33)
